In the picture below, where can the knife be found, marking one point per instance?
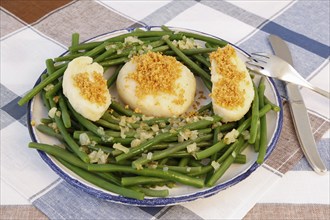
(299, 111)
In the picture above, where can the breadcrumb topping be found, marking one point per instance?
(155, 74)
(226, 92)
(92, 87)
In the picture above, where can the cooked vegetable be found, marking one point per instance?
(127, 152)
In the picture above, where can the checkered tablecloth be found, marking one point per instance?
(284, 187)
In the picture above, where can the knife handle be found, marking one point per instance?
(303, 128)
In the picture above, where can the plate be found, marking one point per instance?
(235, 174)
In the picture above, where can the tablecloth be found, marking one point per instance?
(284, 187)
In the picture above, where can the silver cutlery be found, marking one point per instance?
(281, 67)
(275, 67)
(299, 111)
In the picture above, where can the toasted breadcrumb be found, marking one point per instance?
(156, 74)
(91, 88)
(226, 92)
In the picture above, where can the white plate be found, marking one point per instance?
(235, 174)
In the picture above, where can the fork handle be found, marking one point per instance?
(321, 92)
(299, 80)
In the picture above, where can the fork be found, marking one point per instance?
(273, 66)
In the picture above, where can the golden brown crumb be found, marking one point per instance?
(155, 74)
(226, 91)
(180, 98)
(33, 123)
(137, 110)
(93, 88)
(56, 98)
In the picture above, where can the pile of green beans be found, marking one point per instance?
(162, 159)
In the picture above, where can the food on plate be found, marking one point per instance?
(232, 90)
(86, 88)
(147, 135)
(156, 85)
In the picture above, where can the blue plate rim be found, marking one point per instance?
(155, 202)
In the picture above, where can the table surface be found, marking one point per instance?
(298, 194)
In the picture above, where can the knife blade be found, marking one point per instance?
(298, 111)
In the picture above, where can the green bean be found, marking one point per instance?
(53, 91)
(202, 123)
(46, 120)
(41, 85)
(240, 158)
(43, 94)
(151, 192)
(110, 133)
(214, 156)
(184, 162)
(110, 177)
(164, 136)
(164, 153)
(84, 46)
(107, 124)
(226, 164)
(180, 154)
(197, 51)
(96, 50)
(227, 127)
(105, 54)
(91, 136)
(140, 180)
(149, 39)
(74, 40)
(100, 182)
(67, 137)
(164, 28)
(160, 49)
(49, 131)
(210, 151)
(114, 62)
(69, 57)
(209, 45)
(245, 125)
(179, 169)
(139, 34)
(126, 52)
(97, 147)
(168, 175)
(112, 79)
(163, 161)
(263, 124)
(274, 107)
(257, 142)
(88, 124)
(64, 112)
(202, 59)
(60, 153)
(255, 116)
(220, 145)
(188, 61)
(205, 170)
(128, 134)
(110, 118)
(119, 108)
(50, 66)
(210, 40)
(205, 107)
(156, 120)
(144, 146)
(103, 140)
